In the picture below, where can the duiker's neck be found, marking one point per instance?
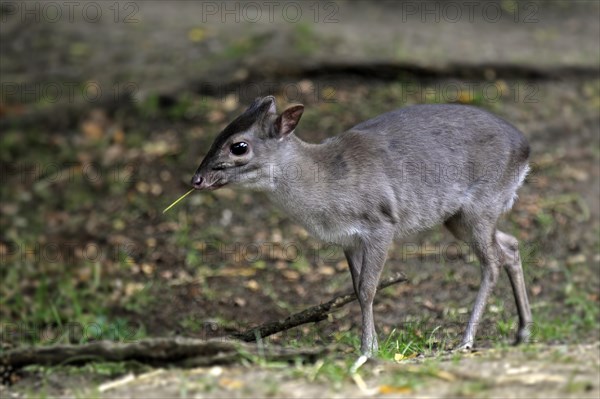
(300, 168)
(313, 188)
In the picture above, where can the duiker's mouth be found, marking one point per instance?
(218, 184)
(201, 183)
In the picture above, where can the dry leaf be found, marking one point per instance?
(147, 268)
(92, 130)
(291, 274)
(391, 389)
(327, 270)
(230, 384)
(132, 288)
(84, 274)
(237, 271)
(118, 136)
(241, 302)
(252, 285)
(400, 357)
(159, 148)
(117, 383)
(444, 375)
(576, 259)
(360, 383)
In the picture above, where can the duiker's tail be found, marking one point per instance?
(523, 171)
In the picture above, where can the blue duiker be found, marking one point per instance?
(398, 173)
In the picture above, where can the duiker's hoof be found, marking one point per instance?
(358, 363)
(523, 336)
(464, 347)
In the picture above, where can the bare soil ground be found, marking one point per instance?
(547, 371)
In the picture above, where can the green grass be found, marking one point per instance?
(60, 309)
(414, 339)
(332, 371)
(576, 316)
(473, 389)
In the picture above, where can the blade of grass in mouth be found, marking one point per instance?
(178, 200)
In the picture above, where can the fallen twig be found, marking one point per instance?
(310, 315)
(179, 351)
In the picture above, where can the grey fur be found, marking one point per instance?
(401, 172)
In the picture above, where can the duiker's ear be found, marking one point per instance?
(287, 121)
(264, 105)
(272, 105)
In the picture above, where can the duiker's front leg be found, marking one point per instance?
(374, 251)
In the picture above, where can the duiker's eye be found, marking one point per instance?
(239, 148)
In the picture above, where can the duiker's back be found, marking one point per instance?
(445, 156)
(414, 167)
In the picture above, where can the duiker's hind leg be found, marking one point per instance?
(514, 269)
(480, 234)
(354, 256)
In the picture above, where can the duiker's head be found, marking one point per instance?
(244, 151)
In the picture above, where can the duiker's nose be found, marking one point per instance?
(197, 182)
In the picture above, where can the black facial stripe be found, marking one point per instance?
(253, 114)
